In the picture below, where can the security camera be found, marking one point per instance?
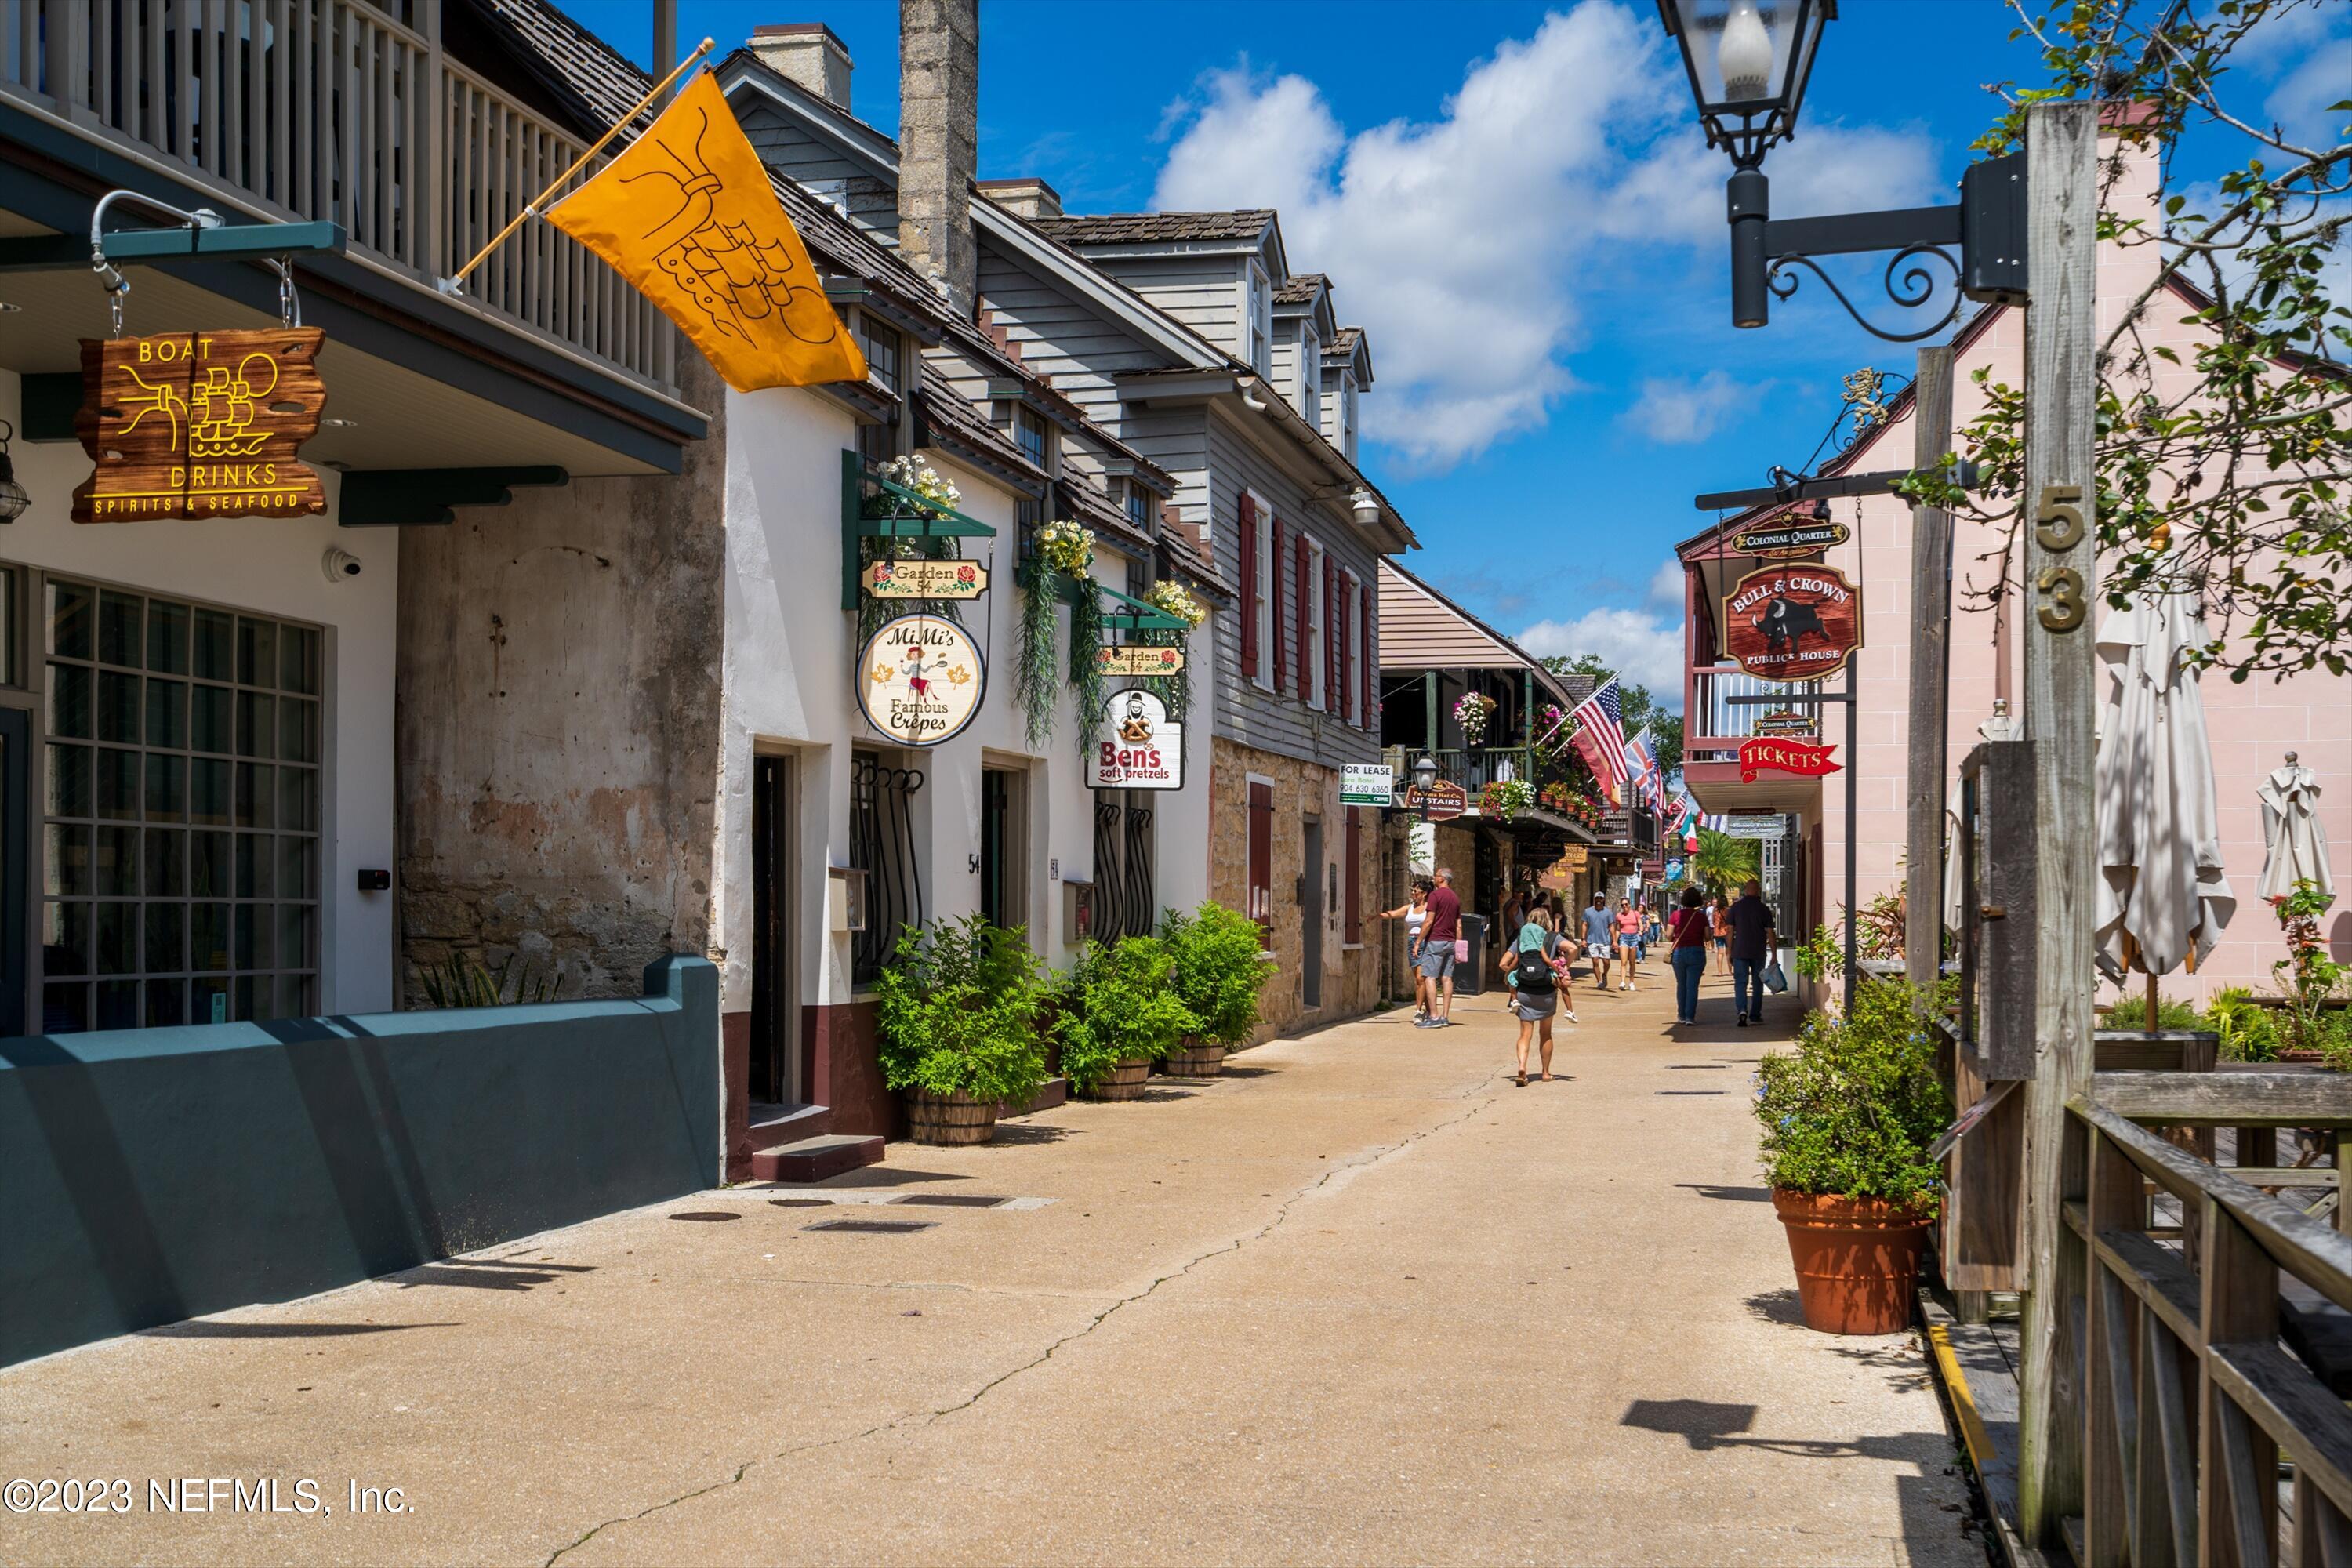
(339, 563)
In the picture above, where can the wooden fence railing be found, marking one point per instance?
(338, 111)
(2177, 1384)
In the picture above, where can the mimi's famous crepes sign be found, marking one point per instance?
(920, 679)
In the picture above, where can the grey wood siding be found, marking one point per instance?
(1204, 292)
(1278, 721)
(871, 200)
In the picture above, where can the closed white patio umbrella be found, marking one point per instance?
(2160, 878)
(2295, 844)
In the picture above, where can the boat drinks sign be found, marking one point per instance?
(1138, 748)
(920, 680)
(199, 424)
(1794, 623)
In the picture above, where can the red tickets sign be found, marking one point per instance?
(1783, 756)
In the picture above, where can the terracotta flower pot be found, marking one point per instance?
(950, 1119)
(1192, 1058)
(1125, 1082)
(1857, 1260)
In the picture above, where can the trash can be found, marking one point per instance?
(1470, 975)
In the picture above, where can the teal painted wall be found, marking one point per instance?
(156, 1174)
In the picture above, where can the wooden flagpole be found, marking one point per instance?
(530, 209)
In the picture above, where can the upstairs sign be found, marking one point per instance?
(1794, 623)
(200, 425)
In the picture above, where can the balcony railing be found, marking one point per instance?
(1712, 718)
(334, 111)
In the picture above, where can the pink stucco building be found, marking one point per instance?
(2252, 725)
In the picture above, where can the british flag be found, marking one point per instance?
(1600, 739)
(1648, 779)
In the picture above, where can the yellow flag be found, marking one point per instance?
(687, 214)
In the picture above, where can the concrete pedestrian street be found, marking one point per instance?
(1359, 1301)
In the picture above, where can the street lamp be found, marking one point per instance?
(1748, 61)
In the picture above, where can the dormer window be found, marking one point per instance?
(883, 349)
(1138, 506)
(1348, 417)
(1257, 320)
(1310, 376)
(1033, 436)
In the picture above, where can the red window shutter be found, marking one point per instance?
(1342, 606)
(1306, 576)
(1250, 594)
(1371, 651)
(1261, 858)
(1280, 651)
(1334, 620)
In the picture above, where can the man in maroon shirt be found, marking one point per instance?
(1441, 926)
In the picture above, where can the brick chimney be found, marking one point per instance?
(809, 54)
(1029, 197)
(939, 138)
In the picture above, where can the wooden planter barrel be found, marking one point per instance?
(1125, 1082)
(1194, 1058)
(949, 1118)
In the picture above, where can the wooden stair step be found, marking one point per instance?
(815, 1159)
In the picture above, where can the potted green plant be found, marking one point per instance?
(1220, 968)
(1848, 1118)
(1117, 1014)
(958, 1027)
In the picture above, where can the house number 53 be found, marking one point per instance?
(2058, 525)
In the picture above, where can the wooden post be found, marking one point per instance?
(1931, 628)
(2061, 571)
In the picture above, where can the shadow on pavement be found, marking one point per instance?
(1730, 1194)
(200, 1330)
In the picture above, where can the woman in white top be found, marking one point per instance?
(1412, 914)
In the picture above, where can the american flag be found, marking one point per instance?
(1601, 737)
(1648, 779)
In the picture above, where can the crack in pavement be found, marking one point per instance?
(1351, 1167)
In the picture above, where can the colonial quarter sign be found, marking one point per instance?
(199, 424)
(920, 680)
(1794, 623)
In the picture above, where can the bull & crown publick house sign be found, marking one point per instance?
(1794, 623)
(920, 679)
(200, 425)
(1137, 747)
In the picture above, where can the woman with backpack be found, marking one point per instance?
(1534, 966)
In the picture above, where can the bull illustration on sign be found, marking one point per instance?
(1794, 623)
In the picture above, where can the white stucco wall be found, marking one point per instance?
(271, 566)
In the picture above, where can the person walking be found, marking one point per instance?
(1599, 939)
(1528, 968)
(1441, 929)
(1413, 912)
(1691, 930)
(1751, 947)
(1629, 935)
(1719, 917)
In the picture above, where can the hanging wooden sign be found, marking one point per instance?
(920, 679)
(925, 580)
(1765, 753)
(1439, 802)
(1794, 623)
(1138, 658)
(1790, 539)
(1137, 746)
(200, 425)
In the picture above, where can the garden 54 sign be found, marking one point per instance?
(1794, 623)
(197, 425)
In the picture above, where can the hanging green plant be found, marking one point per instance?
(1171, 596)
(1086, 661)
(1069, 547)
(1034, 685)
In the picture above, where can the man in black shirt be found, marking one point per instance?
(1751, 949)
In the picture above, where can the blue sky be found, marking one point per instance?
(1511, 198)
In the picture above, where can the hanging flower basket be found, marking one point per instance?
(1506, 798)
(1170, 595)
(1472, 714)
(1068, 548)
(939, 493)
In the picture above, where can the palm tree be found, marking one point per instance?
(1723, 862)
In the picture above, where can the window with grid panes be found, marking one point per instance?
(1138, 506)
(879, 343)
(179, 815)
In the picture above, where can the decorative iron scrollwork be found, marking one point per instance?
(1913, 289)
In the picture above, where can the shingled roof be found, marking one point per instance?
(1343, 343)
(1301, 288)
(1144, 228)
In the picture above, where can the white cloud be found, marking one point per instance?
(1666, 584)
(1680, 412)
(1645, 647)
(1458, 243)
